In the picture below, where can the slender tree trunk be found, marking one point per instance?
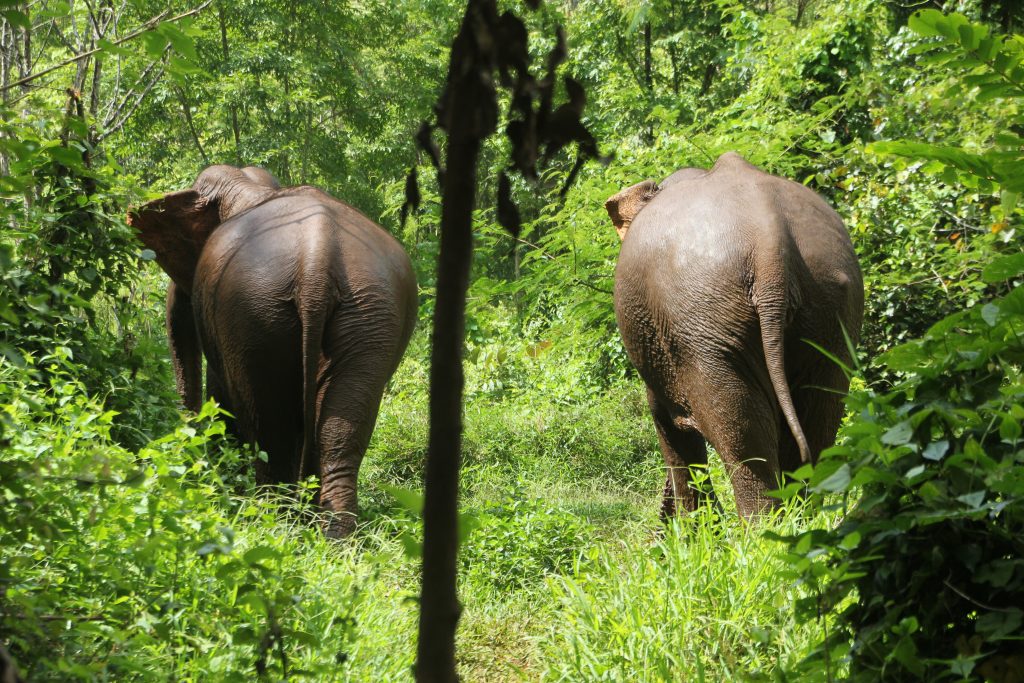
(648, 80)
(440, 609)
(647, 56)
(6, 41)
(674, 58)
(439, 604)
(191, 126)
(225, 53)
(709, 78)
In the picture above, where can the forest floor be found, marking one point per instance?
(567, 572)
(171, 565)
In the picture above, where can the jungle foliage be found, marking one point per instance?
(132, 546)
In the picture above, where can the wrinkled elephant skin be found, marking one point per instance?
(302, 308)
(722, 279)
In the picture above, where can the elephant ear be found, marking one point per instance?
(176, 228)
(624, 206)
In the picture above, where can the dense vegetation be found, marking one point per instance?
(132, 544)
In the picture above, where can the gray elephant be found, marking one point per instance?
(302, 307)
(723, 278)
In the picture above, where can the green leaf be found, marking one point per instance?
(905, 357)
(113, 49)
(16, 18)
(923, 22)
(837, 481)
(991, 92)
(973, 499)
(1013, 303)
(259, 554)
(407, 498)
(72, 158)
(990, 314)
(935, 450)
(178, 65)
(155, 43)
(1009, 429)
(898, 435)
(1004, 267)
(181, 43)
(790, 490)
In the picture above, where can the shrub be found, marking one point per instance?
(516, 542)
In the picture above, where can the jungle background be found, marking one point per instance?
(133, 545)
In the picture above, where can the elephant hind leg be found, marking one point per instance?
(681, 448)
(742, 424)
(350, 398)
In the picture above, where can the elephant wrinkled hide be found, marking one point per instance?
(302, 307)
(723, 277)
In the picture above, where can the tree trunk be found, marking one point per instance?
(191, 126)
(648, 80)
(6, 42)
(225, 53)
(439, 603)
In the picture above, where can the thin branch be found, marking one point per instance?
(586, 284)
(147, 26)
(965, 596)
(191, 126)
(113, 115)
(960, 221)
(117, 125)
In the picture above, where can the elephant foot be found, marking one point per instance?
(339, 525)
(668, 502)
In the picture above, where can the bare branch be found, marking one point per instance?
(116, 110)
(147, 26)
(191, 126)
(119, 123)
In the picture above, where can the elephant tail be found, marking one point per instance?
(314, 320)
(772, 312)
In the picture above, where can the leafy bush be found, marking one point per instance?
(123, 564)
(517, 542)
(926, 572)
(933, 552)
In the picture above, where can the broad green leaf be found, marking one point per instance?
(974, 499)
(899, 434)
(260, 553)
(113, 49)
(182, 66)
(16, 18)
(155, 43)
(407, 498)
(1012, 303)
(72, 158)
(1003, 268)
(990, 314)
(837, 481)
(923, 22)
(971, 35)
(1009, 429)
(182, 43)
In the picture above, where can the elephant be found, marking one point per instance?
(302, 307)
(723, 277)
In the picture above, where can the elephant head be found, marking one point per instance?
(626, 204)
(177, 225)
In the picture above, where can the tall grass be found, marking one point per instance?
(163, 562)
